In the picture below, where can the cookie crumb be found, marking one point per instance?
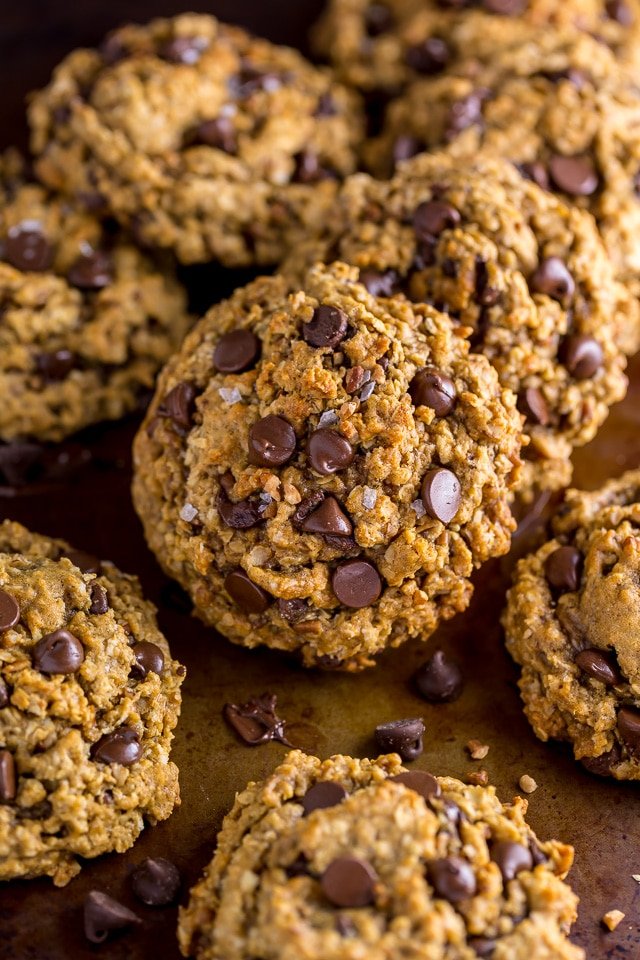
(527, 783)
(479, 778)
(477, 750)
(612, 918)
(636, 877)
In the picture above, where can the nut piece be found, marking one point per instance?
(477, 750)
(479, 778)
(527, 783)
(612, 918)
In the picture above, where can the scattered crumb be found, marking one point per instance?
(636, 877)
(527, 783)
(612, 918)
(478, 778)
(477, 750)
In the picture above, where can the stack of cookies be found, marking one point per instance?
(451, 208)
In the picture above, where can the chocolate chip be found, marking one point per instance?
(431, 388)
(463, 114)
(537, 172)
(8, 780)
(421, 782)
(349, 882)
(56, 366)
(187, 50)
(26, 247)
(429, 57)
(104, 915)
(532, 403)
(505, 8)
(563, 569)
(452, 878)
(406, 146)
(39, 811)
(112, 50)
(553, 279)
(439, 679)
(58, 652)
(620, 11)
(246, 593)
(272, 442)
(236, 351)
(149, 658)
(356, 584)
(292, 610)
(86, 562)
(326, 106)
(433, 217)
(380, 284)
(329, 452)
(511, 858)
(91, 271)
(582, 356)
(401, 736)
(601, 665)
(603, 765)
(574, 175)
(256, 721)
(345, 926)
(219, 133)
(483, 946)
(537, 855)
(378, 19)
(308, 168)
(327, 327)
(99, 599)
(299, 867)
(4, 694)
(252, 80)
(9, 611)
(122, 746)
(156, 882)
(441, 494)
(242, 515)
(328, 518)
(324, 794)
(179, 405)
(629, 729)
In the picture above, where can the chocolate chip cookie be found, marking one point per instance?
(87, 320)
(385, 45)
(322, 469)
(199, 137)
(560, 107)
(89, 697)
(572, 622)
(517, 269)
(342, 859)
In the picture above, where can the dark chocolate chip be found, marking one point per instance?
(511, 858)
(256, 721)
(272, 442)
(328, 518)
(537, 855)
(439, 679)
(620, 11)
(86, 562)
(463, 114)
(104, 915)
(356, 584)
(149, 658)
(483, 946)
(582, 356)
(219, 133)
(553, 279)
(532, 403)
(8, 779)
(431, 388)
(179, 405)
(421, 782)
(326, 106)
(601, 665)
(56, 366)
(91, 271)
(433, 217)
(112, 50)
(39, 811)
(308, 168)
(380, 284)
(186, 50)
(325, 793)
(122, 746)
(563, 569)
(99, 599)
(156, 882)
(329, 452)
(58, 652)
(299, 867)
(327, 327)
(378, 19)
(629, 729)
(429, 57)
(441, 494)
(401, 736)
(406, 146)
(349, 882)
(252, 80)
(292, 610)
(9, 611)
(236, 351)
(603, 765)
(26, 247)
(241, 515)
(537, 172)
(246, 593)
(452, 878)
(574, 175)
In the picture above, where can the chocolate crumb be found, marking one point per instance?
(256, 720)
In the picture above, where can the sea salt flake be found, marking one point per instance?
(367, 390)
(369, 498)
(418, 507)
(230, 395)
(188, 513)
(328, 418)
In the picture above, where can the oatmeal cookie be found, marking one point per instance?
(342, 859)
(199, 137)
(87, 320)
(322, 469)
(572, 622)
(89, 697)
(521, 271)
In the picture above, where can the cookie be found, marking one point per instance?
(572, 623)
(322, 469)
(342, 858)
(87, 320)
(385, 46)
(560, 107)
(515, 267)
(89, 697)
(200, 137)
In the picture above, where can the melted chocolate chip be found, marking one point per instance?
(356, 584)
(329, 452)
(439, 679)
(563, 569)
(421, 782)
(292, 610)
(429, 57)
(553, 279)
(99, 599)
(58, 652)
(8, 778)
(431, 388)
(26, 247)
(179, 405)
(328, 518)
(156, 882)
(629, 729)
(349, 882)
(433, 217)
(441, 494)
(401, 736)
(246, 593)
(463, 114)
(532, 403)
(511, 858)
(104, 915)
(327, 327)
(236, 351)
(324, 794)
(149, 658)
(219, 133)
(600, 665)
(582, 356)
(9, 611)
(91, 271)
(56, 366)
(452, 878)
(256, 720)
(378, 19)
(576, 176)
(603, 765)
(122, 746)
(272, 442)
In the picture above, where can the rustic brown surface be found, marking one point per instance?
(326, 713)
